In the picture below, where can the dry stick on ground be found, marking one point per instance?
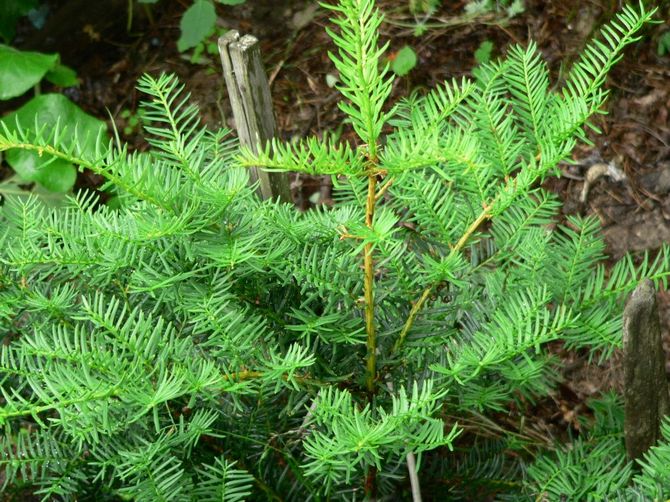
(250, 99)
(414, 482)
(645, 384)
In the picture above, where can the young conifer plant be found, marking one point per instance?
(192, 342)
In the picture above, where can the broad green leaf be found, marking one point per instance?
(231, 2)
(10, 12)
(14, 187)
(44, 112)
(38, 16)
(404, 61)
(663, 47)
(516, 7)
(483, 53)
(57, 175)
(196, 23)
(62, 75)
(423, 6)
(20, 71)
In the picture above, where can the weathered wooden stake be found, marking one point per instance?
(645, 384)
(249, 93)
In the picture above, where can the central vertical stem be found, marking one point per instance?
(368, 263)
(369, 282)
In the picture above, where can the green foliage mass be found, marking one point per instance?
(198, 22)
(45, 114)
(595, 467)
(19, 72)
(11, 12)
(196, 343)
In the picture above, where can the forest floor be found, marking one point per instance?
(632, 202)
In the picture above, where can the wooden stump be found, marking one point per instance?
(645, 384)
(250, 98)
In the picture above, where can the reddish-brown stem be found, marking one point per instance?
(371, 484)
(368, 264)
(483, 216)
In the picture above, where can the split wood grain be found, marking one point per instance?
(646, 399)
(249, 93)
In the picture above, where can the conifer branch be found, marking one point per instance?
(483, 216)
(157, 333)
(246, 375)
(383, 189)
(117, 180)
(410, 318)
(418, 305)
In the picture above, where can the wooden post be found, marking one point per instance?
(646, 399)
(249, 93)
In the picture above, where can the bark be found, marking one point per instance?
(645, 383)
